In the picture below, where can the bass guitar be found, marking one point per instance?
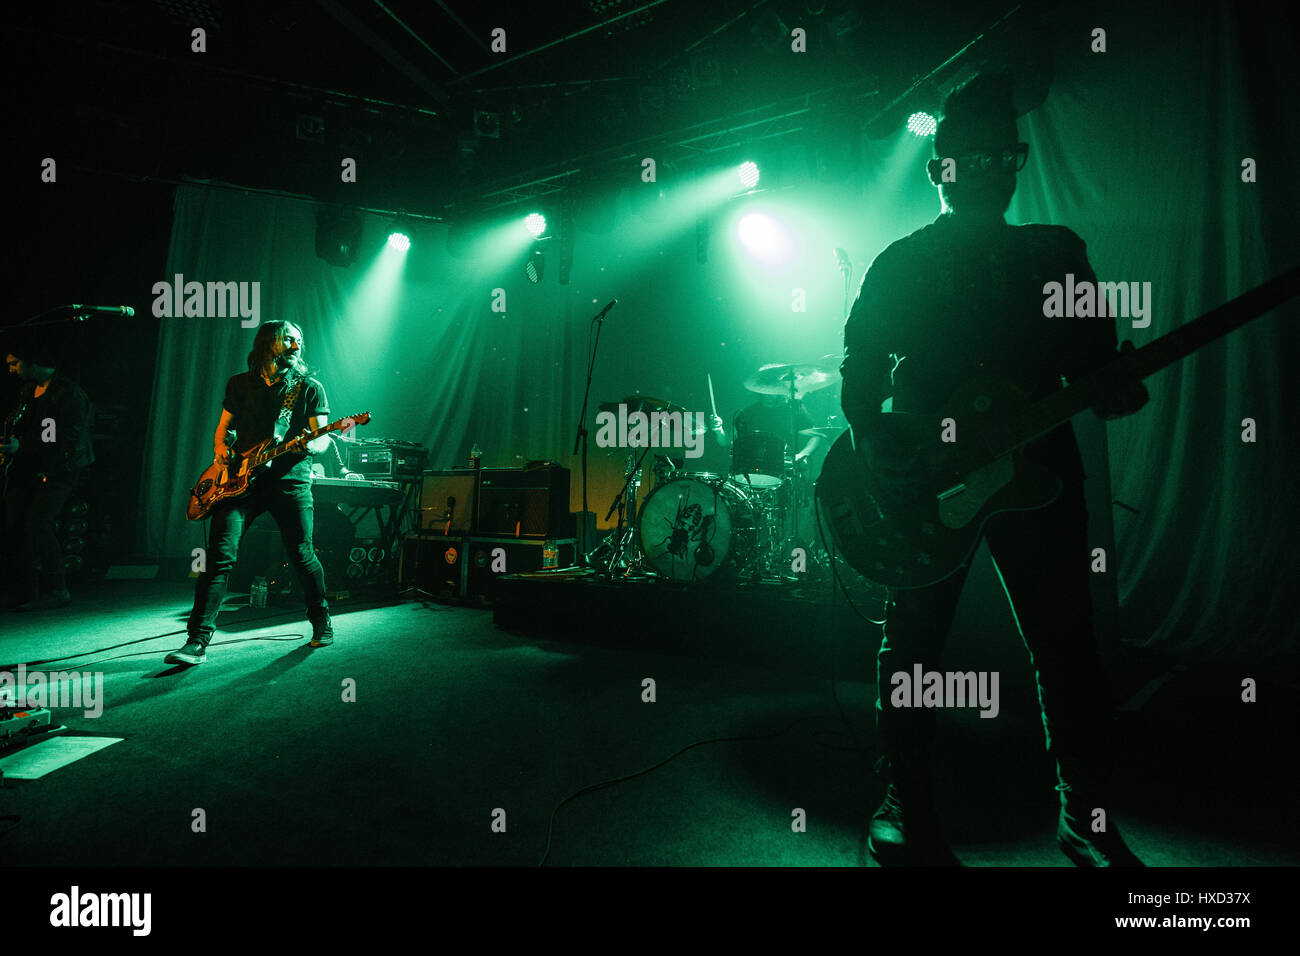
(11, 423)
(222, 482)
(916, 534)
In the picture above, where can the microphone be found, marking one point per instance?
(612, 303)
(125, 310)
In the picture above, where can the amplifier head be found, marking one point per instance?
(370, 461)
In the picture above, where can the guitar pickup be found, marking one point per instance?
(951, 492)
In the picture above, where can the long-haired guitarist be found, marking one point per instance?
(45, 446)
(960, 298)
(277, 398)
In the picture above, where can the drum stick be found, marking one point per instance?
(712, 401)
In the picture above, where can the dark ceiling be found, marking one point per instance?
(438, 121)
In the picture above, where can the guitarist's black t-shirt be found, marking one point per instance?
(255, 406)
(66, 405)
(944, 304)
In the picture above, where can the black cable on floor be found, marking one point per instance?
(640, 773)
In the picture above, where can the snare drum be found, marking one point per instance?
(758, 460)
(692, 528)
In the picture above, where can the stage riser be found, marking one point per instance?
(773, 626)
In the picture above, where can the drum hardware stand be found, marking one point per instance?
(620, 546)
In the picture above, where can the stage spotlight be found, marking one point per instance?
(338, 236)
(921, 124)
(399, 241)
(535, 223)
(764, 238)
(487, 125)
(749, 174)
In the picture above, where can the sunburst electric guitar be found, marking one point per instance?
(223, 482)
(917, 535)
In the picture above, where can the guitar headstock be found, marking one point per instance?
(352, 421)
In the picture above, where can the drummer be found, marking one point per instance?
(771, 414)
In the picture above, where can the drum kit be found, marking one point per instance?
(747, 525)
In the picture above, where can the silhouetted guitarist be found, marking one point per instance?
(46, 446)
(960, 297)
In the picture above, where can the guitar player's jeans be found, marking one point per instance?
(1043, 560)
(290, 504)
(32, 556)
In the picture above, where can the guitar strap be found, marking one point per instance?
(286, 411)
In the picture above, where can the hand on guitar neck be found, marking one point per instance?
(1116, 392)
(303, 444)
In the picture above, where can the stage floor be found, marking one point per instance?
(458, 716)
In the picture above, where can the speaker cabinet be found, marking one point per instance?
(434, 563)
(490, 559)
(447, 502)
(524, 502)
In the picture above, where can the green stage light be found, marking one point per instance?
(921, 124)
(763, 237)
(535, 223)
(748, 173)
(399, 241)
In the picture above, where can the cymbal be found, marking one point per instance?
(641, 403)
(822, 432)
(807, 376)
(691, 424)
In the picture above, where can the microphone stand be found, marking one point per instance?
(79, 314)
(846, 269)
(39, 315)
(581, 438)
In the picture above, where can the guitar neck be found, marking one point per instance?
(273, 453)
(1059, 407)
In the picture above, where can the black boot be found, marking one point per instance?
(322, 628)
(905, 830)
(194, 651)
(51, 594)
(1076, 834)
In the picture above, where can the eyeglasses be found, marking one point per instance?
(1008, 159)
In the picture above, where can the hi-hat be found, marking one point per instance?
(822, 432)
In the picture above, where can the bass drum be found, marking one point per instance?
(693, 528)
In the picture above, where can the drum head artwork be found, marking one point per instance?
(688, 528)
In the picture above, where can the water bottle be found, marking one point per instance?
(257, 596)
(475, 456)
(550, 556)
